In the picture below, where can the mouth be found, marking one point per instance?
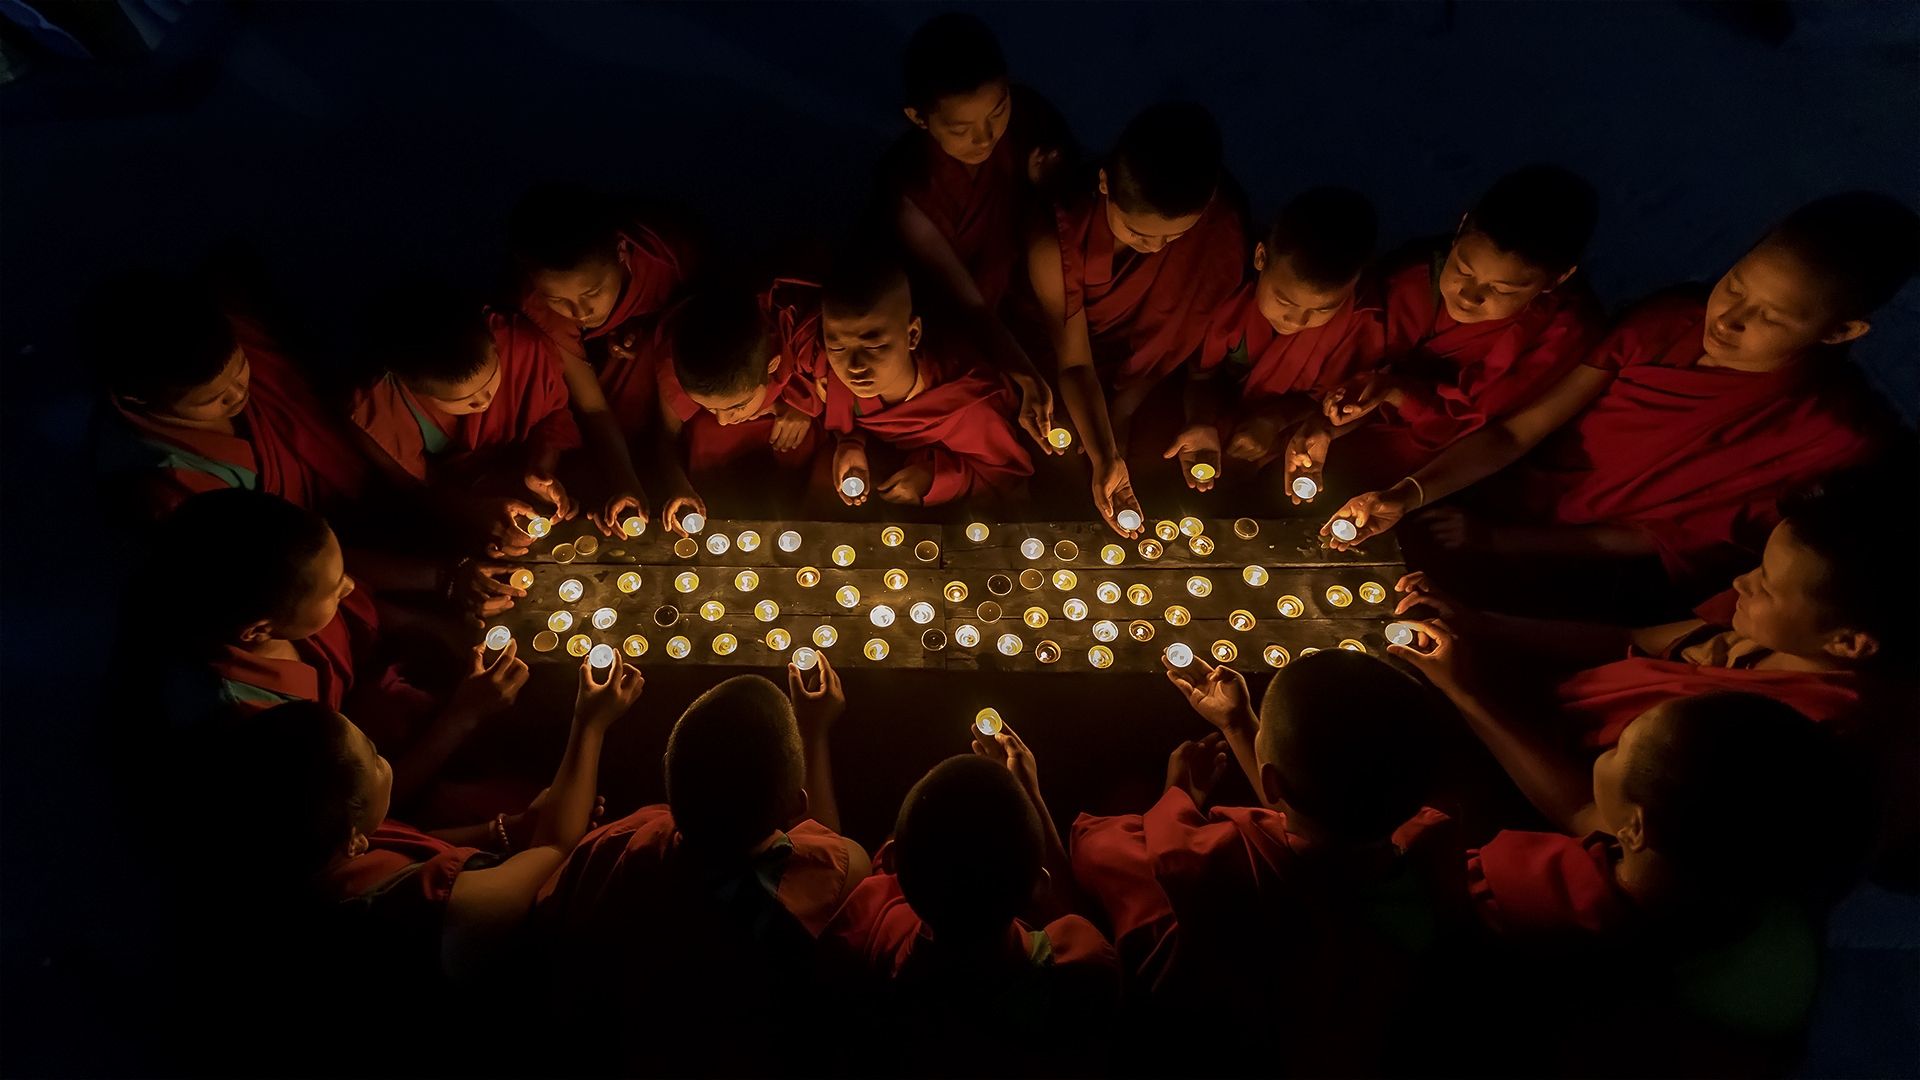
(1716, 341)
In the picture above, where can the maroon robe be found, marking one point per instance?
(1531, 884)
(791, 310)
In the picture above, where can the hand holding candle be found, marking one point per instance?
(850, 477)
(1198, 450)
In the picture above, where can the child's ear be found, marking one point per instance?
(1632, 834)
(1562, 279)
(256, 632)
(914, 330)
(801, 807)
(1853, 645)
(1259, 257)
(772, 363)
(914, 117)
(1846, 332)
(1272, 792)
(1103, 182)
(358, 843)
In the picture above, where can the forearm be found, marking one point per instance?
(1087, 404)
(1240, 733)
(1062, 893)
(821, 802)
(1467, 462)
(570, 797)
(1557, 785)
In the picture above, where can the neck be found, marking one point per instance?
(273, 648)
(1640, 876)
(1785, 661)
(1756, 367)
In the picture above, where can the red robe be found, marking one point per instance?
(957, 426)
(1696, 457)
(1147, 314)
(527, 417)
(1242, 345)
(1600, 702)
(391, 915)
(791, 310)
(1471, 374)
(1531, 884)
(655, 272)
(284, 442)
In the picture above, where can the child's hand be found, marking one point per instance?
(816, 707)
(789, 427)
(1437, 653)
(909, 486)
(602, 699)
(620, 506)
(1007, 749)
(1219, 695)
(1358, 397)
(1036, 408)
(498, 522)
(1255, 439)
(481, 588)
(850, 459)
(490, 686)
(1112, 493)
(549, 488)
(679, 506)
(1198, 445)
(1197, 766)
(1307, 453)
(1372, 513)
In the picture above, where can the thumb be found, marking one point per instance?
(1174, 450)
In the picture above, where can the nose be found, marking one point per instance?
(1743, 584)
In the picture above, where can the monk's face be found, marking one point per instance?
(968, 126)
(584, 295)
(1142, 229)
(1289, 302)
(375, 793)
(473, 394)
(220, 399)
(1769, 309)
(1779, 606)
(1482, 283)
(324, 584)
(739, 405)
(872, 351)
(1618, 814)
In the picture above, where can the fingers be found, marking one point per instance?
(632, 681)
(1408, 582)
(590, 678)
(1032, 423)
(495, 605)
(795, 685)
(479, 665)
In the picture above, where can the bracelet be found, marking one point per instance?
(497, 829)
(1418, 488)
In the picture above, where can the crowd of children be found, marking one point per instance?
(1528, 844)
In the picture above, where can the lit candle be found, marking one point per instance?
(601, 656)
(926, 551)
(560, 622)
(1304, 488)
(843, 555)
(895, 579)
(1113, 554)
(1308, 651)
(853, 487)
(1201, 471)
(563, 553)
(678, 646)
(1075, 609)
(498, 637)
(712, 610)
(1060, 437)
(778, 639)
(766, 611)
(1128, 519)
(628, 582)
(1066, 550)
(881, 616)
(1200, 585)
(747, 541)
(521, 579)
(1192, 526)
(693, 521)
(1398, 633)
(718, 543)
(1372, 592)
(1179, 654)
(789, 541)
(1065, 580)
(1033, 547)
(686, 581)
(538, 526)
(1140, 630)
(1343, 530)
(586, 545)
(921, 612)
(1201, 546)
(635, 645)
(1290, 606)
(1046, 651)
(1100, 657)
(933, 640)
(966, 635)
(686, 547)
(825, 636)
(1139, 594)
(956, 591)
(1034, 617)
(1177, 616)
(1275, 655)
(1009, 644)
(725, 644)
(1353, 645)
(875, 649)
(1339, 595)
(805, 658)
(633, 526)
(1107, 592)
(1166, 530)
(545, 641)
(1246, 528)
(806, 577)
(1225, 652)
(579, 645)
(746, 580)
(987, 721)
(1151, 549)
(987, 612)
(1241, 620)
(847, 596)
(1255, 575)
(977, 532)
(1105, 630)
(604, 618)
(893, 536)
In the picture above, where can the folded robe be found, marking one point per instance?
(1534, 884)
(791, 313)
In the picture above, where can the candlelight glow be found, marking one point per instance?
(921, 612)
(1105, 630)
(579, 645)
(1179, 654)
(1372, 592)
(895, 579)
(560, 621)
(1254, 575)
(747, 541)
(633, 526)
(1128, 519)
(1167, 531)
(521, 579)
(789, 541)
(1075, 609)
(1225, 652)
(876, 649)
(966, 635)
(1241, 620)
(1343, 530)
(1200, 585)
(843, 555)
(693, 521)
(678, 646)
(977, 532)
(806, 577)
(1201, 546)
(893, 536)
(987, 721)
(766, 611)
(604, 618)
(746, 581)
(1304, 488)
(1353, 645)
(1060, 437)
(847, 596)
(1177, 616)
(1192, 526)
(1100, 656)
(635, 645)
(1151, 549)
(1399, 633)
(712, 610)
(538, 527)
(601, 656)
(628, 582)
(1035, 617)
(1275, 655)
(1139, 595)
(725, 644)
(778, 639)
(1009, 644)
(956, 591)
(1202, 471)
(1046, 651)
(1289, 606)
(686, 581)
(1113, 554)
(1065, 580)
(825, 636)
(1339, 595)
(805, 658)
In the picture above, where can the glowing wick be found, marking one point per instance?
(825, 636)
(628, 582)
(806, 577)
(1372, 592)
(1165, 530)
(1339, 595)
(893, 536)
(895, 579)
(966, 635)
(977, 532)
(1192, 526)
(1105, 630)
(1046, 651)
(633, 526)
(1009, 644)
(1035, 617)
(921, 613)
(747, 541)
(805, 658)
(1201, 546)
(881, 615)
(579, 645)
(1128, 520)
(1033, 547)
(766, 611)
(1139, 595)
(1255, 575)
(1113, 554)
(1353, 645)
(853, 487)
(693, 521)
(538, 527)
(1201, 471)
(1289, 606)
(560, 622)
(1275, 655)
(1151, 549)
(1140, 630)
(987, 721)
(521, 579)
(571, 590)
(1304, 488)
(724, 644)
(746, 581)
(1075, 609)
(1225, 652)
(601, 656)
(1343, 530)
(789, 541)
(686, 581)
(843, 555)
(847, 596)
(1107, 592)
(604, 618)
(1100, 657)
(778, 639)
(1060, 437)
(876, 649)
(956, 591)
(712, 610)
(718, 543)
(1399, 633)
(1241, 620)
(1179, 655)
(635, 645)
(498, 637)
(1178, 616)
(1199, 585)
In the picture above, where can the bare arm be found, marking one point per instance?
(1500, 444)
(1086, 400)
(600, 428)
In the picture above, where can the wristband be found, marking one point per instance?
(1418, 488)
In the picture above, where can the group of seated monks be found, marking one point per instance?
(1519, 844)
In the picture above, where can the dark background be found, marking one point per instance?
(348, 144)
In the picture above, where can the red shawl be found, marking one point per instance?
(284, 442)
(396, 850)
(251, 683)
(1270, 364)
(957, 425)
(1547, 884)
(1147, 314)
(1479, 371)
(528, 415)
(1693, 456)
(791, 310)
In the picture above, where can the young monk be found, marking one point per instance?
(202, 400)
(1274, 348)
(1233, 912)
(1678, 434)
(1130, 274)
(1478, 326)
(714, 900)
(472, 409)
(935, 934)
(276, 618)
(918, 421)
(964, 182)
(597, 282)
(736, 391)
